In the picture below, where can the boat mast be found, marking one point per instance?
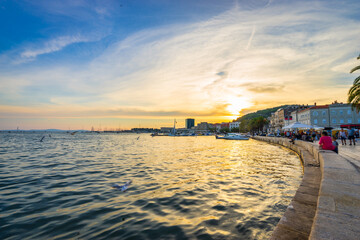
(174, 126)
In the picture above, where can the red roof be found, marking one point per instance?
(320, 107)
(316, 107)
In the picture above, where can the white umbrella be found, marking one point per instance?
(296, 125)
(318, 128)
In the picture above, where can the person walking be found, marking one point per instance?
(343, 137)
(351, 135)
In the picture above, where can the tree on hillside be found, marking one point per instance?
(354, 92)
(235, 130)
(257, 124)
(244, 126)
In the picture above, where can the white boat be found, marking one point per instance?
(233, 136)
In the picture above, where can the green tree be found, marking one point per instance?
(354, 92)
(257, 124)
(225, 130)
(235, 130)
(212, 129)
(245, 126)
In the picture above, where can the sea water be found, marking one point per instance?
(181, 187)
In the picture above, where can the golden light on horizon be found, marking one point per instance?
(236, 104)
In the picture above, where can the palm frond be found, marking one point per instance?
(357, 80)
(354, 69)
(354, 91)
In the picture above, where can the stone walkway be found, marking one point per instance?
(338, 211)
(336, 202)
(351, 153)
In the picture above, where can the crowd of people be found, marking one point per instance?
(327, 138)
(305, 135)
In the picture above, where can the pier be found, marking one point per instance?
(327, 203)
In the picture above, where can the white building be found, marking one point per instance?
(234, 125)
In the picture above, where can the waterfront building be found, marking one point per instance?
(289, 116)
(294, 117)
(277, 123)
(272, 123)
(282, 117)
(315, 116)
(166, 129)
(189, 123)
(234, 125)
(202, 126)
(294, 114)
(342, 115)
(211, 126)
(225, 125)
(334, 115)
(216, 126)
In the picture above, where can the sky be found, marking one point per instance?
(77, 64)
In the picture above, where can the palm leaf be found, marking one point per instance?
(354, 91)
(357, 80)
(354, 69)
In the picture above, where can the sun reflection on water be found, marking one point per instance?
(188, 187)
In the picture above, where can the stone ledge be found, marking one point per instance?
(337, 206)
(297, 220)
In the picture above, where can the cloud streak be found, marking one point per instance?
(294, 54)
(53, 45)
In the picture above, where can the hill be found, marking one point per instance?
(261, 113)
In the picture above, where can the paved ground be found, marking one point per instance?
(338, 210)
(351, 153)
(337, 201)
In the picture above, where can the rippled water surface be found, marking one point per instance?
(182, 187)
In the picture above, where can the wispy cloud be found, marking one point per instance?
(251, 38)
(240, 59)
(50, 46)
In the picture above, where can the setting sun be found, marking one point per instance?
(236, 104)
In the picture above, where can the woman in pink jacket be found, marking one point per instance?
(325, 142)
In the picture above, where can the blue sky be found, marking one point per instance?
(74, 64)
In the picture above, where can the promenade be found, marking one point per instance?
(327, 203)
(351, 153)
(338, 210)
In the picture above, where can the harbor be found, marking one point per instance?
(101, 186)
(179, 120)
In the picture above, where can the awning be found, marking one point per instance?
(297, 125)
(350, 126)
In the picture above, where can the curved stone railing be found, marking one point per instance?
(327, 203)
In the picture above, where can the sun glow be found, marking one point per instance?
(236, 104)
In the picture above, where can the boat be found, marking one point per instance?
(233, 136)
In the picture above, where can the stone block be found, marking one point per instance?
(309, 189)
(333, 187)
(333, 160)
(326, 203)
(309, 160)
(329, 225)
(342, 175)
(303, 209)
(283, 233)
(297, 221)
(312, 175)
(305, 198)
